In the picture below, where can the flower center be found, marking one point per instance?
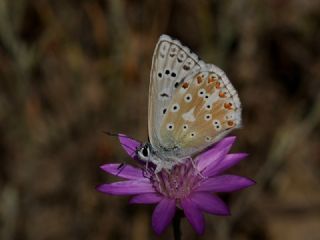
(177, 183)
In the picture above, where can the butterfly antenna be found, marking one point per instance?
(111, 134)
(121, 168)
(118, 135)
(115, 134)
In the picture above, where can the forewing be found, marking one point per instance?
(203, 109)
(171, 63)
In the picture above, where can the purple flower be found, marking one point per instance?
(190, 186)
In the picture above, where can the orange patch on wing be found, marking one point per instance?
(185, 85)
(222, 94)
(230, 123)
(228, 106)
(199, 79)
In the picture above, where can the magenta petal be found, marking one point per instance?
(210, 159)
(213, 155)
(124, 171)
(130, 145)
(225, 183)
(229, 161)
(193, 214)
(225, 143)
(146, 198)
(163, 214)
(210, 203)
(129, 187)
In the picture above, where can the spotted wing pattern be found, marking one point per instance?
(203, 109)
(171, 63)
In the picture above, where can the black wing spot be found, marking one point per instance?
(167, 72)
(176, 84)
(185, 67)
(173, 74)
(159, 74)
(164, 95)
(164, 111)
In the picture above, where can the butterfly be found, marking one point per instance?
(192, 105)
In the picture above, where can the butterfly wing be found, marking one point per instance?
(203, 109)
(171, 63)
(191, 104)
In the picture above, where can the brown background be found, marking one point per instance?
(72, 69)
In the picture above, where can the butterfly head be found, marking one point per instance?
(144, 152)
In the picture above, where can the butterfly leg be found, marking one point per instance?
(196, 168)
(158, 169)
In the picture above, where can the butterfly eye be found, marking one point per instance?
(188, 97)
(145, 152)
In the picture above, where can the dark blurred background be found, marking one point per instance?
(72, 69)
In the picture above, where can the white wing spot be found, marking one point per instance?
(192, 134)
(175, 107)
(188, 97)
(185, 127)
(170, 126)
(207, 117)
(217, 125)
(189, 116)
(201, 92)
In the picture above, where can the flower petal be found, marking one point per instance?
(147, 198)
(130, 145)
(163, 214)
(129, 187)
(214, 155)
(210, 203)
(227, 142)
(124, 171)
(193, 214)
(229, 161)
(210, 159)
(225, 183)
